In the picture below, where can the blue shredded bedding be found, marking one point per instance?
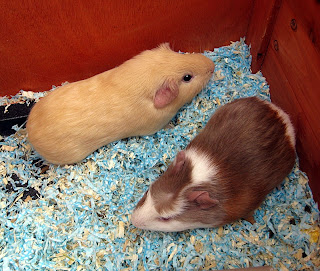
(78, 217)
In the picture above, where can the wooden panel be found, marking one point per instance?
(260, 28)
(309, 18)
(48, 42)
(292, 68)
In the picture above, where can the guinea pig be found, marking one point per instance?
(245, 150)
(136, 98)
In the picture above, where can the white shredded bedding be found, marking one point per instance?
(78, 217)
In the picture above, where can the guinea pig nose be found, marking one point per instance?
(211, 71)
(137, 222)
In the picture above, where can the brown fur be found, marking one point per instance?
(76, 119)
(247, 142)
(168, 189)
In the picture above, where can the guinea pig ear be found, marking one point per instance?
(203, 199)
(166, 94)
(179, 162)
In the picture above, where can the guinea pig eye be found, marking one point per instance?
(187, 78)
(164, 219)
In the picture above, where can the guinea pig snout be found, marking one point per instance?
(137, 220)
(212, 68)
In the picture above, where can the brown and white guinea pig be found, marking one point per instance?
(246, 149)
(136, 98)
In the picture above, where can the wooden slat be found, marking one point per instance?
(293, 72)
(264, 14)
(309, 18)
(44, 43)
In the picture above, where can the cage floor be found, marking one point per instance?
(78, 217)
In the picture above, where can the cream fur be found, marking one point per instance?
(76, 119)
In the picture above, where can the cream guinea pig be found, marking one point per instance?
(246, 149)
(136, 98)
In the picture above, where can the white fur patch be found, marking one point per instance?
(203, 169)
(142, 214)
(146, 217)
(286, 120)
